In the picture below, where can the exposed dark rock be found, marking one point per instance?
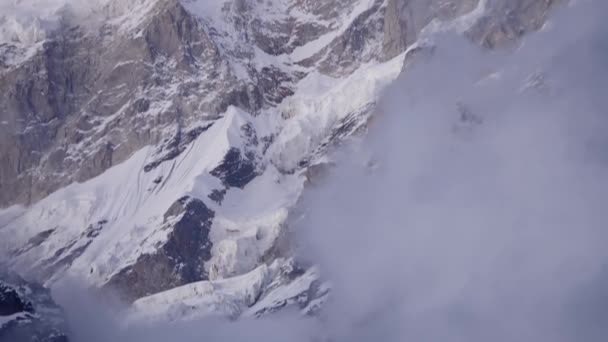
(93, 231)
(247, 96)
(65, 256)
(274, 84)
(75, 108)
(175, 146)
(217, 196)
(179, 261)
(346, 52)
(34, 316)
(176, 208)
(88, 99)
(235, 170)
(62, 259)
(266, 142)
(11, 303)
(142, 105)
(36, 240)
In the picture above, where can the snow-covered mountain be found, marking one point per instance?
(27, 312)
(156, 147)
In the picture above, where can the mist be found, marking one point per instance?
(99, 317)
(474, 209)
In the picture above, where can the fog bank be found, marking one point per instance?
(475, 209)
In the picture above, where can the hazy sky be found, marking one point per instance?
(475, 209)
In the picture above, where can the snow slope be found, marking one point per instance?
(131, 205)
(262, 291)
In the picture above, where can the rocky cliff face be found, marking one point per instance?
(87, 100)
(27, 312)
(158, 143)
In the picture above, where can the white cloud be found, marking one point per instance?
(491, 229)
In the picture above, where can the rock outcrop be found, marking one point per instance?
(28, 313)
(179, 261)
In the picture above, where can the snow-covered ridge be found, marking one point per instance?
(130, 206)
(322, 102)
(224, 297)
(264, 290)
(126, 205)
